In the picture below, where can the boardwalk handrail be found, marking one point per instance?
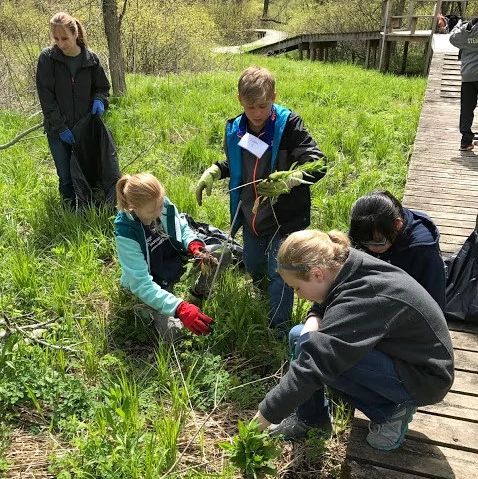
(293, 42)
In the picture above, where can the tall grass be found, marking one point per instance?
(119, 399)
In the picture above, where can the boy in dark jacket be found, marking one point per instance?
(265, 139)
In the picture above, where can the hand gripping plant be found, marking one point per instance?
(252, 451)
(281, 182)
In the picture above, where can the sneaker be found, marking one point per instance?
(292, 428)
(468, 147)
(169, 329)
(390, 434)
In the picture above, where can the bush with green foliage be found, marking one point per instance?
(252, 451)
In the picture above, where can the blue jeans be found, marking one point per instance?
(372, 386)
(61, 153)
(260, 259)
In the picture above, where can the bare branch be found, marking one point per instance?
(22, 330)
(123, 11)
(20, 136)
(272, 20)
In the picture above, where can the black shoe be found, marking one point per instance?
(292, 428)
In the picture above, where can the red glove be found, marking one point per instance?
(193, 319)
(195, 247)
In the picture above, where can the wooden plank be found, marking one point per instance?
(466, 360)
(471, 185)
(355, 470)
(465, 383)
(452, 209)
(459, 406)
(444, 175)
(417, 195)
(430, 191)
(436, 168)
(468, 341)
(466, 218)
(452, 240)
(447, 201)
(433, 461)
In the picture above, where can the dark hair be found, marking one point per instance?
(375, 214)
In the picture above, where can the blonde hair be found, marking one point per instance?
(256, 84)
(65, 20)
(134, 191)
(305, 249)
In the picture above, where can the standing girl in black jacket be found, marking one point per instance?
(71, 83)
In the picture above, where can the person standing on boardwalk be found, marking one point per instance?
(465, 37)
(71, 83)
(264, 140)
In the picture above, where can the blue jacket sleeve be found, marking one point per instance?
(137, 279)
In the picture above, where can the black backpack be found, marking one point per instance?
(462, 281)
(212, 235)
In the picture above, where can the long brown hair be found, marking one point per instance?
(65, 20)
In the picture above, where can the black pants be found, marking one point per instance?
(469, 94)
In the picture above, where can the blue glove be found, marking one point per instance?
(67, 136)
(98, 107)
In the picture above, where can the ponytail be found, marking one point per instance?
(121, 201)
(81, 39)
(134, 191)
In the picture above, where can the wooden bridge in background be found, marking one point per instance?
(415, 26)
(442, 442)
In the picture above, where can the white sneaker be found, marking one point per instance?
(169, 328)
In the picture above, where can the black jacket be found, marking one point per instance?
(371, 305)
(65, 100)
(417, 251)
(293, 209)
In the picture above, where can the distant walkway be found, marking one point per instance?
(269, 37)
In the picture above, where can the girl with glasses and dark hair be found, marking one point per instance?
(406, 238)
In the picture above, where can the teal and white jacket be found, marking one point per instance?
(134, 258)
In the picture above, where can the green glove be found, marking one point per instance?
(212, 174)
(278, 184)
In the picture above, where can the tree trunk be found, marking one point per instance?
(265, 11)
(113, 36)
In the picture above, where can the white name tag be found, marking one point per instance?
(253, 144)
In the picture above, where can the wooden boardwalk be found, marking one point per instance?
(442, 442)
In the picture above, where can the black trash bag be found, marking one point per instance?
(462, 281)
(94, 164)
(212, 235)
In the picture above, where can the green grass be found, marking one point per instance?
(120, 399)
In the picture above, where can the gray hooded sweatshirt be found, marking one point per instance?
(371, 305)
(467, 42)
